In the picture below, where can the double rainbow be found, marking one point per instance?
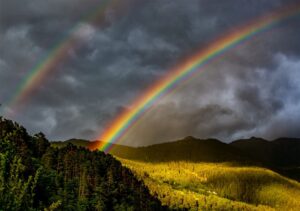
(184, 71)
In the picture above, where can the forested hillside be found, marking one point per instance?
(282, 154)
(35, 176)
(217, 186)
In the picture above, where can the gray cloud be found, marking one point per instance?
(253, 90)
(223, 104)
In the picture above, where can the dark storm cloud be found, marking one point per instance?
(253, 90)
(223, 104)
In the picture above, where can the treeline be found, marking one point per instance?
(35, 176)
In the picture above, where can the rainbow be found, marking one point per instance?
(185, 70)
(34, 78)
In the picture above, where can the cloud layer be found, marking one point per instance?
(252, 91)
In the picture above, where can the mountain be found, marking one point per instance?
(282, 152)
(36, 176)
(281, 155)
(189, 148)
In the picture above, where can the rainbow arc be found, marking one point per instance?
(185, 70)
(182, 72)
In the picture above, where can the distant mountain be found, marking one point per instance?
(189, 149)
(281, 155)
(282, 152)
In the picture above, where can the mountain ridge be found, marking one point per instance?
(286, 149)
(281, 155)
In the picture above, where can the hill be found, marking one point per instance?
(217, 186)
(74, 141)
(35, 176)
(281, 155)
(189, 149)
(197, 174)
(282, 152)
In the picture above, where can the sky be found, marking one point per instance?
(253, 90)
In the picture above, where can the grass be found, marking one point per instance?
(217, 186)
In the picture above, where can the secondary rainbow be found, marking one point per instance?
(184, 70)
(35, 77)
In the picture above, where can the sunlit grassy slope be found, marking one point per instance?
(217, 186)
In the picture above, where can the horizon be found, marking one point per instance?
(183, 139)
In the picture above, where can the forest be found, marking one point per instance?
(36, 176)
